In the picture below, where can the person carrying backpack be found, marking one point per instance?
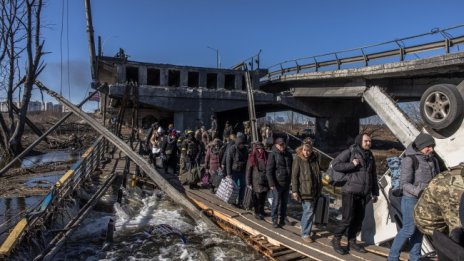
(413, 181)
(357, 162)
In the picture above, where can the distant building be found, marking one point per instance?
(49, 106)
(34, 106)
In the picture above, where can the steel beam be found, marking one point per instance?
(162, 183)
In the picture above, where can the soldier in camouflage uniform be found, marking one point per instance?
(438, 207)
(190, 152)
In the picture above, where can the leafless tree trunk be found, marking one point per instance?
(20, 30)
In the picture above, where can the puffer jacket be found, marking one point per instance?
(256, 176)
(212, 159)
(362, 179)
(279, 168)
(413, 182)
(306, 176)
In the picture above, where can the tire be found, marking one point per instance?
(441, 106)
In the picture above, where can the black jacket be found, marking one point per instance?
(362, 179)
(236, 159)
(279, 168)
(256, 176)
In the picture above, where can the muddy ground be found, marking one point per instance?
(72, 136)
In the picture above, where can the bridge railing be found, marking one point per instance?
(62, 188)
(363, 56)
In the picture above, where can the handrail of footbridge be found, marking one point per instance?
(64, 187)
(294, 66)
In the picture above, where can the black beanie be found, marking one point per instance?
(358, 140)
(424, 140)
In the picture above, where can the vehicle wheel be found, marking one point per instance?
(441, 106)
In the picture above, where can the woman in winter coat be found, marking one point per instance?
(256, 178)
(213, 160)
(306, 186)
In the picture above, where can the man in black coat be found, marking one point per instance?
(358, 163)
(279, 173)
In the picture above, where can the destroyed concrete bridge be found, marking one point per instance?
(188, 96)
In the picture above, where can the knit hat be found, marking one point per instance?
(259, 145)
(424, 140)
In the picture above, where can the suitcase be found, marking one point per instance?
(228, 190)
(322, 210)
(248, 198)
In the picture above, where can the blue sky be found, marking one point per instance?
(178, 32)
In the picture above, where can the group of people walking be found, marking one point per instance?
(278, 172)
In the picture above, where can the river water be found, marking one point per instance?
(132, 240)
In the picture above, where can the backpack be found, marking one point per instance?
(394, 164)
(335, 178)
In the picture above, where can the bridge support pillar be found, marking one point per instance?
(335, 134)
(192, 119)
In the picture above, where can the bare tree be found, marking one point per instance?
(371, 125)
(21, 47)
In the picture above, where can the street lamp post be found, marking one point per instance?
(218, 59)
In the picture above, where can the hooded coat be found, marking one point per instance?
(306, 176)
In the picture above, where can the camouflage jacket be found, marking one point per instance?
(438, 206)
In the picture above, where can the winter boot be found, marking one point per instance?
(337, 247)
(352, 244)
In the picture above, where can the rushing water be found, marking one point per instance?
(134, 218)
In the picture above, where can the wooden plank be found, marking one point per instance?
(291, 231)
(208, 206)
(283, 253)
(295, 230)
(326, 244)
(13, 238)
(207, 195)
(291, 256)
(247, 223)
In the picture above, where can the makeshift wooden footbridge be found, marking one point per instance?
(276, 243)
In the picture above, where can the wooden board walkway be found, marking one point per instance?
(277, 243)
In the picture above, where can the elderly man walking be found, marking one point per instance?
(279, 172)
